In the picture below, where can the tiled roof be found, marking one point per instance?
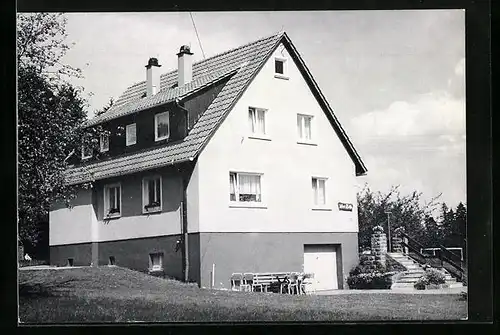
(164, 96)
(246, 61)
(250, 57)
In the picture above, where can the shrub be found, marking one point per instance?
(421, 283)
(435, 276)
(375, 280)
(431, 276)
(369, 274)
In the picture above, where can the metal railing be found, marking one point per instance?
(442, 259)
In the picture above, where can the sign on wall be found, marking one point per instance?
(345, 207)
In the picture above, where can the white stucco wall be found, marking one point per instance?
(72, 225)
(287, 165)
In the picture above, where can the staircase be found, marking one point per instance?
(413, 272)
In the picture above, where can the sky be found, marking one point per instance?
(395, 79)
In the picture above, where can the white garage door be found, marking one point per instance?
(322, 261)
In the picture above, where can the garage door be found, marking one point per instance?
(322, 261)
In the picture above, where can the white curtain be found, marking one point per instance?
(299, 126)
(261, 126)
(257, 121)
(250, 184)
(304, 126)
(307, 127)
(232, 186)
(318, 186)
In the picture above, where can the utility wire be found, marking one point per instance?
(198, 37)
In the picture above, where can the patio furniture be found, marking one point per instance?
(263, 280)
(247, 282)
(236, 281)
(306, 283)
(293, 286)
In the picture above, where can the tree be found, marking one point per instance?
(105, 108)
(406, 211)
(460, 227)
(50, 115)
(41, 45)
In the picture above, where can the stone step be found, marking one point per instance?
(412, 275)
(407, 280)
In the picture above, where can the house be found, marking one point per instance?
(235, 163)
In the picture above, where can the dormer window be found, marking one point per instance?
(280, 70)
(130, 134)
(86, 152)
(162, 126)
(104, 142)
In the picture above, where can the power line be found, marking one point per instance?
(198, 37)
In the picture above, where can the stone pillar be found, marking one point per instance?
(379, 244)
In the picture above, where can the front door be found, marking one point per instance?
(321, 260)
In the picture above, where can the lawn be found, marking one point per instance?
(113, 294)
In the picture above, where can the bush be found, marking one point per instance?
(369, 274)
(435, 276)
(431, 276)
(375, 280)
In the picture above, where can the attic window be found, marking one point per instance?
(280, 70)
(162, 126)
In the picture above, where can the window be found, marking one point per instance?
(244, 187)
(257, 120)
(112, 200)
(130, 134)
(304, 127)
(70, 262)
(86, 152)
(104, 142)
(156, 261)
(318, 186)
(162, 126)
(151, 194)
(280, 67)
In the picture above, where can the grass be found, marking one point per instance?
(113, 294)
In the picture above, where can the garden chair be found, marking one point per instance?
(236, 281)
(293, 286)
(307, 280)
(247, 282)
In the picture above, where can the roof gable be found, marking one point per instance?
(248, 60)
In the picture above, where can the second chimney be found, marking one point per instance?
(152, 77)
(185, 69)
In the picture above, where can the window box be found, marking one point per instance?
(112, 201)
(152, 194)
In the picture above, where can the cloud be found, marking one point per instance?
(435, 114)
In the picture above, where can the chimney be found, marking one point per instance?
(152, 77)
(185, 69)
